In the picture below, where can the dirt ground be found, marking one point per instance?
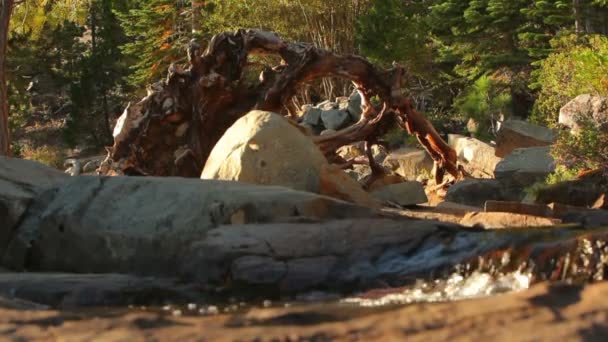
(560, 313)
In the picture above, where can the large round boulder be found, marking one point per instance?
(583, 108)
(265, 148)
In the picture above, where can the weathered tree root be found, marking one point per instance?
(172, 131)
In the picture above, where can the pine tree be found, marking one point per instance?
(395, 30)
(100, 91)
(160, 31)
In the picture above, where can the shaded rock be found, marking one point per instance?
(379, 153)
(496, 220)
(20, 182)
(559, 210)
(386, 180)
(526, 166)
(455, 208)
(20, 304)
(255, 270)
(578, 193)
(514, 134)
(93, 290)
(360, 172)
(354, 106)
(475, 192)
(358, 254)
(310, 129)
(588, 219)
(409, 162)
(337, 184)
(307, 273)
(91, 166)
(404, 194)
(585, 107)
(312, 116)
(143, 225)
(335, 119)
(477, 157)
(295, 257)
(261, 148)
(518, 208)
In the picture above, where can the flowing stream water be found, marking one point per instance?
(572, 256)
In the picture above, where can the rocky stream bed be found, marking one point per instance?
(304, 252)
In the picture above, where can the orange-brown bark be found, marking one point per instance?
(172, 131)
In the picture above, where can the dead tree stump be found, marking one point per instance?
(172, 131)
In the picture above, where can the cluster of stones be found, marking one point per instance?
(329, 117)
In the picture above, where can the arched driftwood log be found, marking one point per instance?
(172, 131)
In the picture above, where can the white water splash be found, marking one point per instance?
(456, 287)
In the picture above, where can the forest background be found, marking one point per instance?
(73, 65)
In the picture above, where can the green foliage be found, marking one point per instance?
(485, 101)
(49, 155)
(99, 91)
(159, 35)
(585, 150)
(579, 66)
(397, 137)
(562, 174)
(479, 36)
(70, 71)
(395, 30)
(41, 70)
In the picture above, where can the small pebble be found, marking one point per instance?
(213, 310)
(267, 303)
(177, 313)
(192, 306)
(166, 307)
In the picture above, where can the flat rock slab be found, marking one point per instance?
(525, 166)
(497, 220)
(514, 134)
(592, 218)
(475, 192)
(143, 225)
(519, 208)
(20, 181)
(404, 194)
(91, 290)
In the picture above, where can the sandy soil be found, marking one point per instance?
(560, 313)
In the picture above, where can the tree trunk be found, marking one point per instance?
(578, 17)
(197, 24)
(172, 131)
(6, 7)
